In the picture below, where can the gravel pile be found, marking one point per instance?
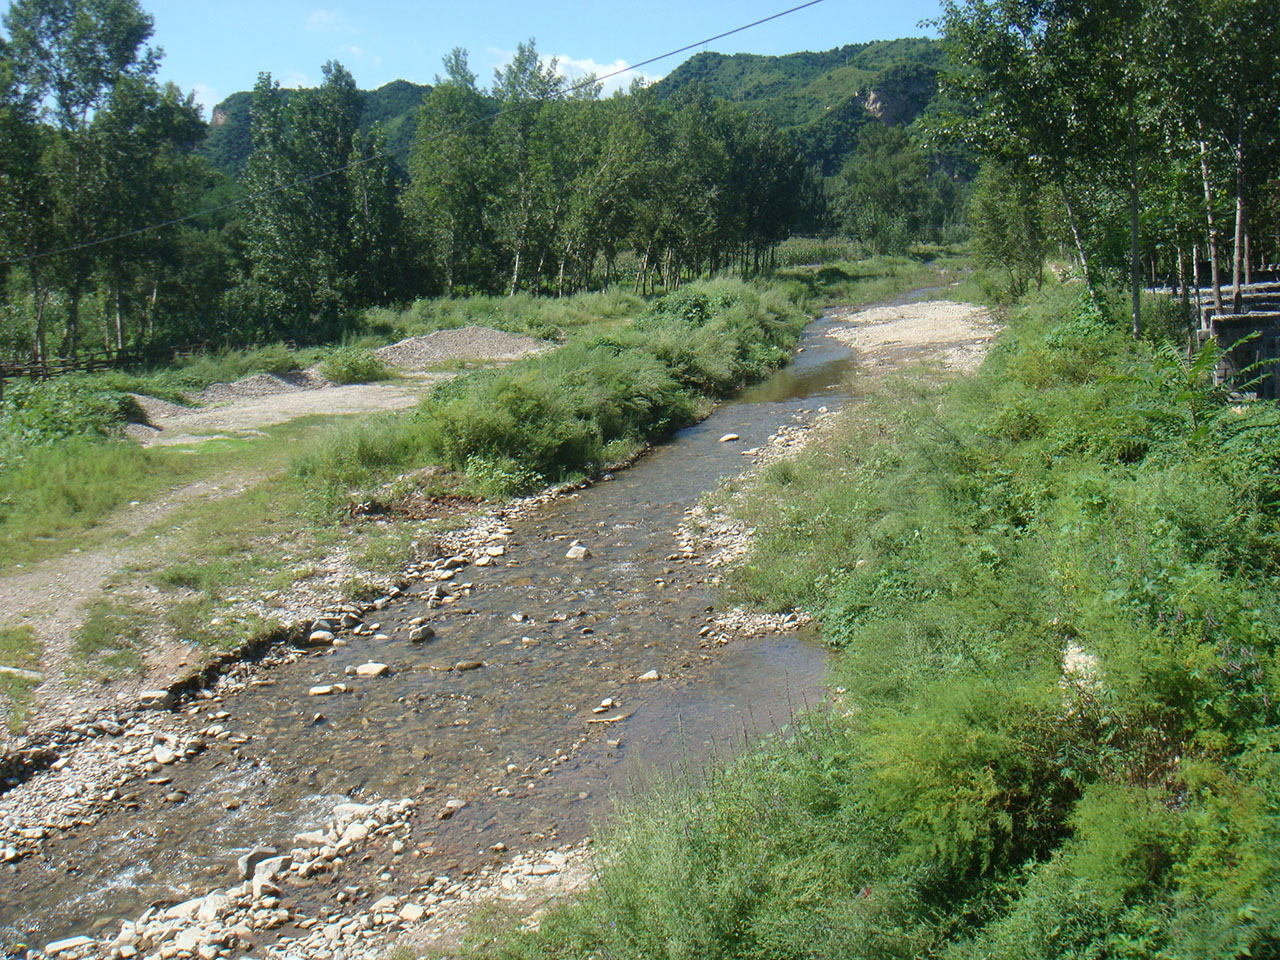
(263, 385)
(471, 343)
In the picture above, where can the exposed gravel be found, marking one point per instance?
(470, 343)
(264, 385)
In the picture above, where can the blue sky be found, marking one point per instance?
(219, 48)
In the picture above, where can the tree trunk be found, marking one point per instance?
(515, 275)
(1213, 227)
(1237, 249)
(1075, 236)
(1135, 279)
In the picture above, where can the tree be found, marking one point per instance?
(884, 194)
(320, 214)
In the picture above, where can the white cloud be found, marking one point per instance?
(295, 79)
(575, 69)
(356, 51)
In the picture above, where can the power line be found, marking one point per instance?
(591, 81)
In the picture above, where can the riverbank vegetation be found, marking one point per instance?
(1054, 723)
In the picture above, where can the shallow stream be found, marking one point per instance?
(555, 637)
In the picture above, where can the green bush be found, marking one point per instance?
(551, 417)
(353, 365)
(51, 411)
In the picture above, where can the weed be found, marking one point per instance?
(108, 641)
(353, 365)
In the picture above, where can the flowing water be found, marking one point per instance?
(555, 637)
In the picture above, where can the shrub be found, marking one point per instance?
(353, 365)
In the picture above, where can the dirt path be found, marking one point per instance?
(50, 596)
(251, 414)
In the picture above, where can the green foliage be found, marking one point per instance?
(353, 365)
(1008, 222)
(548, 418)
(38, 413)
(1057, 717)
(560, 415)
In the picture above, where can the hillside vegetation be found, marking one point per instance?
(825, 98)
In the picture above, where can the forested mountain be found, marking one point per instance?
(230, 140)
(824, 98)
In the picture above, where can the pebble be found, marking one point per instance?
(421, 634)
(649, 677)
(729, 438)
(578, 552)
(372, 670)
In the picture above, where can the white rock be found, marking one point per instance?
(62, 946)
(412, 912)
(578, 552)
(729, 438)
(320, 638)
(353, 834)
(350, 811)
(649, 677)
(372, 669)
(163, 755)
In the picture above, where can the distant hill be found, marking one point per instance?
(824, 98)
(229, 143)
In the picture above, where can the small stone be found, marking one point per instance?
(421, 634)
(164, 756)
(63, 946)
(649, 677)
(322, 690)
(247, 862)
(412, 912)
(496, 551)
(369, 670)
(544, 870)
(578, 552)
(155, 700)
(729, 438)
(468, 665)
(320, 638)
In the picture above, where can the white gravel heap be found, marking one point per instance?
(263, 385)
(472, 343)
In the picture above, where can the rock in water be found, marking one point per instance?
(729, 438)
(649, 677)
(578, 552)
(372, 670)
(421, 634)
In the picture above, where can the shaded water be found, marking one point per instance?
(555, 637)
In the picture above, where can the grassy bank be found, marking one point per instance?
(1055, 735)
(601, 396)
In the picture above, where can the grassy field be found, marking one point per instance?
(1055, 718)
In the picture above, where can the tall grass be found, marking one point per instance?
(553, 417)
(1057, 720)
